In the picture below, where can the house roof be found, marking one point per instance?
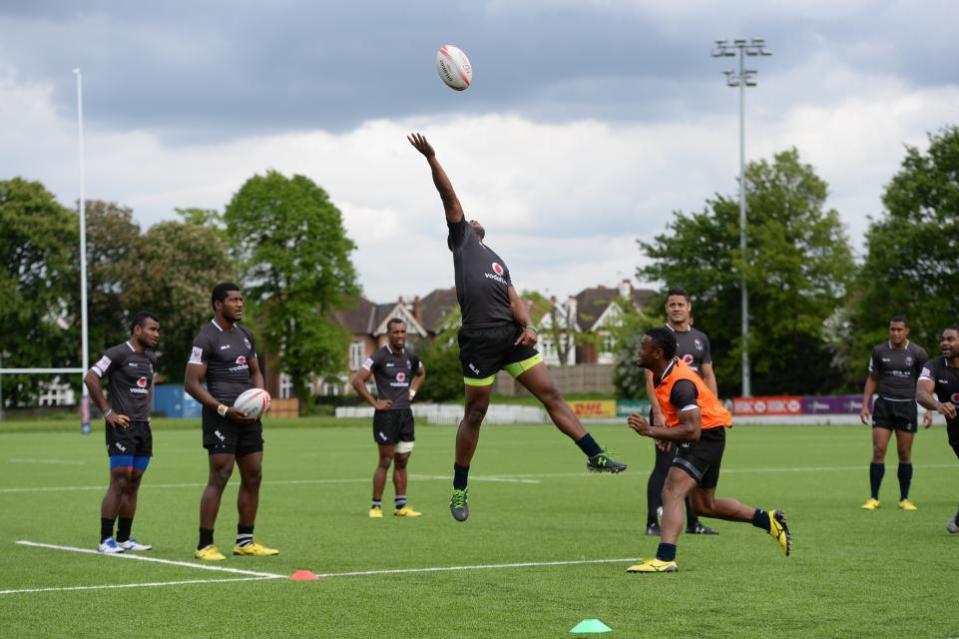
(591, 302)
(436, 305)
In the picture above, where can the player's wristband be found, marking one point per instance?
(221, 410)
(412, 394)
(108, 413)
(532, 328)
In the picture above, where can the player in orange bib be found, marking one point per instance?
(696, 422)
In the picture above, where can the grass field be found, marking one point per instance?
(853, 574)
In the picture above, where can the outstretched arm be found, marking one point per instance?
(451, 204)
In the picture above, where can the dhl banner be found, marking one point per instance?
(594, 407)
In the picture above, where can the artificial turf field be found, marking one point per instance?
(853, 573)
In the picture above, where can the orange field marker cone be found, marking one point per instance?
(304, 575)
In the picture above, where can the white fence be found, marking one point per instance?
(453, 413)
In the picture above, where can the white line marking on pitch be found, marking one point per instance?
(279, 482)
(528, 564)
(169, 562)
(152, 584)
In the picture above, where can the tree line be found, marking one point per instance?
(281, 238)
(815, 309)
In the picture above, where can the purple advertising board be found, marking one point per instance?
(832, 405)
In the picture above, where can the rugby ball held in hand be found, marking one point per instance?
(253, 403)
(454, 67)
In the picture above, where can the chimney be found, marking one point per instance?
(418, 309)
(552, 300)
(625, 288)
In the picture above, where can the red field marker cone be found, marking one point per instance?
(304, 575)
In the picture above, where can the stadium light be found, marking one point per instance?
(744, 78)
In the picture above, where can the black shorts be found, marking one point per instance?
(701, 460)
(485, 351)
(135, 440)
(393, 426)
(895, 415)
(953, 431)
(221, 435)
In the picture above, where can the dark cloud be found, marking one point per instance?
(201, 71)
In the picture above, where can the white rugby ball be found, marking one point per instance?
(253, 403)
(454, 67)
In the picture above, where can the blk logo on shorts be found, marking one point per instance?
(498, 269)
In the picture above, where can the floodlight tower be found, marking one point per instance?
(85, 355)
(744, 78)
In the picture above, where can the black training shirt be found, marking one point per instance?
(897, 370)
(227, 355)
(946, 380)
(393, 373)
(692, 347)
(131, 377)
(482, 279)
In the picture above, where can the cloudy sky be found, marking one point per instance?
(588, 121)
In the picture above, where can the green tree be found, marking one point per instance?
(629, 380)
(912, 254)
(294, 257)
(441, 358)
(798, 267)
(179, 265)
(38, 237)
(113, 250)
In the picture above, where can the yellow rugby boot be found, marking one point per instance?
(905, 504)
(376, 512)
(871, 504)
(406, 511)
(255, 550)
(779, 530)
(209, 553)
(654, 565)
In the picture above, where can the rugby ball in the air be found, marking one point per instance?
(253, 403)
(454, 67)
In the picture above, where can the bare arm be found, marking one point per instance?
(95, 386)
(655, 408)
(688, 429)
(451, 203)
(192, 384)
(926, 399)
(709, 376)
(418, 378)
(256, 376)
(521, 316)
(867, 394)
(359, 385)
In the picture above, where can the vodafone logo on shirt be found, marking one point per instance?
(498, 269)
(240, 364)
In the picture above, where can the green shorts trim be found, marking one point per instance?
(486, 381)
(518, 368)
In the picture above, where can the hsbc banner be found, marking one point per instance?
(832, 405)
(776, 405)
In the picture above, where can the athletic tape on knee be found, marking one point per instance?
(404, 447)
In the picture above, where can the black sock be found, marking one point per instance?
(377, 503)
(460, 475)
(761, 519)
(956, 518)
(692, 519)
(244, 535)
(123, 528)
(206, 538)
(876, 472)
(588, 445)
(106, 528)
(400, 501)
(666, 552)
(905, 479)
